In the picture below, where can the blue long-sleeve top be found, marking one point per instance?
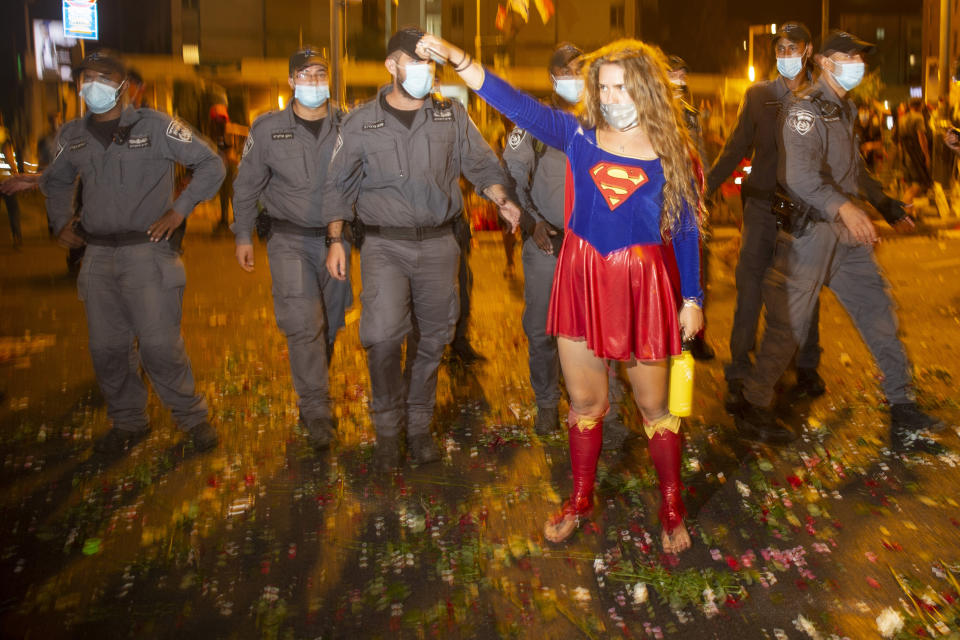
(617, 200)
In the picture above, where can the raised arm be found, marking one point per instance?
(737, 147)
(552, 126)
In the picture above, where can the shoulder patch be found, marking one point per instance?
(179, 131)
(516, 137)
(247, 146)
(801, 121)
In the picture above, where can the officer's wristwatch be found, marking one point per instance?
(329, 240)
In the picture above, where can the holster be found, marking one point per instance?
(794, 217)
(357, 231)
(262, 225)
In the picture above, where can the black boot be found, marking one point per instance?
(733, 400)
(386, 454)
(759, 424)
(809, 383)
(321, 432)
(548, 421)
(907, 427)
(421, 449)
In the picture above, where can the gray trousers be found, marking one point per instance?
(802, 266)
(757, 244)
(309, 305)
(538, 268)
(465, 278)
(133, 297)
(407, 282)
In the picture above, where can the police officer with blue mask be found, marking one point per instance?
(397, 165)
(283, 169)
(132, 278)
(827, 239)
(756, 136)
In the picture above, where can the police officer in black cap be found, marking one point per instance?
(398, 163)
(284, 167)
(828, 240)
(757, 136)
(132, 278)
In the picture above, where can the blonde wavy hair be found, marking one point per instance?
(645, 77)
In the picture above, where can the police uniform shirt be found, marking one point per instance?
(129, 184)
(821, 164)
(757, 130)
(284, 166)
(540, 173)
(400, 177)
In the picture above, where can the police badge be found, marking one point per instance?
(801, 122)
(179, 131)
(516, 137)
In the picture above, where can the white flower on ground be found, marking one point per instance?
(639, 593)
(802, 624)
(889, 622)
(581, 595)
(743, 489)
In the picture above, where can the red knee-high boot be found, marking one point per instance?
(665, 451)
(585, 435)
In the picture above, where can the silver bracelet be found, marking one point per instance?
(691, 302)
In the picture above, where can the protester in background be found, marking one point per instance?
(913, 134)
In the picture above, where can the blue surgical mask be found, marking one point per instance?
(100, 96)
(419, 79)
(789, 68)
(850, 75)
(621, 117)
(311, 95)
(570, 89)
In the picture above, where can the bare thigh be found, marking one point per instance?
(585, 375)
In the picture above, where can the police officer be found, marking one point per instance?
(398, 161)
(539, 172)
(756, 135)
(132, 277)
(284, 167)
(831, 243)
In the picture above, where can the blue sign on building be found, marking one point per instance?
(80, 19)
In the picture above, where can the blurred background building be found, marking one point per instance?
(200, 57)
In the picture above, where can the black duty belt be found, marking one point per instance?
(285, 226)
(115, 239)
(408, 233)
(753, 192)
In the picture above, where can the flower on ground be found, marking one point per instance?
(889, 622)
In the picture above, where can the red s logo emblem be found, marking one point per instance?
(617, 182)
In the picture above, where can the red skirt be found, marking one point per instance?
(624, 305)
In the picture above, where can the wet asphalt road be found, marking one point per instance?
(264, 538)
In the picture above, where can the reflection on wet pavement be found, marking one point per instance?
(831, 537)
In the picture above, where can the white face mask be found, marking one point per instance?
(312, 95)
(789, 68)
(419, 79)
(570, 89)
(850, 74)
(100, 96)
(621, 117)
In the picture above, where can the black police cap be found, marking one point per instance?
(103, 61)
(307, 57)
(563, 55)
(792, 31)
(406, 40)
(845, 43)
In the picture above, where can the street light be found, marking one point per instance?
(753, 30)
